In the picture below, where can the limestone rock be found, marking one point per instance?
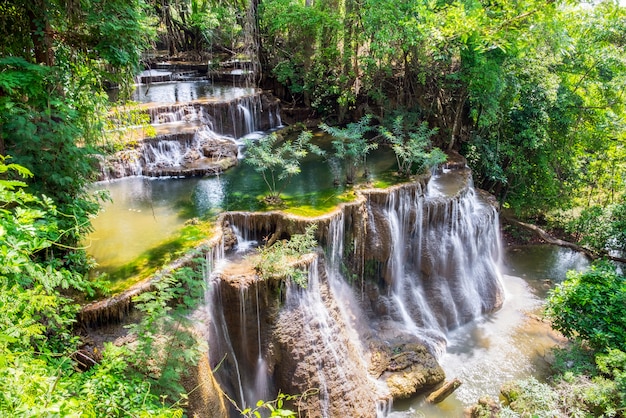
(485, 408)
(406, 368)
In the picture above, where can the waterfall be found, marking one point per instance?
(225, 113)
(248, 121)
(444, 259)
(235, 117)
(324, 347)
(163, 154)
(427, 259)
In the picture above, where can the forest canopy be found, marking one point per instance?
(531, 92)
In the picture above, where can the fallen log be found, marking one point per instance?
(545, 236)
(444, 391)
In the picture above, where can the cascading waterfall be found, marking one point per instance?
(236, 117)
(225, 118)
(248, 121)
(439, 269)
(444, 262)
(163, 154)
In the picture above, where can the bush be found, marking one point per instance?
(589, 307)
(530, 398)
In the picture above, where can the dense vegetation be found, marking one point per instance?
(530, 92)
(589, 376)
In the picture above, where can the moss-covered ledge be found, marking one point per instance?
(266, 227)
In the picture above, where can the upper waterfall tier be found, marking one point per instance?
(197, 126)
(233, 111)
(187, 91)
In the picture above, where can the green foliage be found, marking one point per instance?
(166, 346)
(589, 306)
(275, 408)
(351, 146)
(602, 228)
(42, 131)
(588, 383)
(279, 260)
(531, 398)
(528, 90)
(35, 312)
(412, 146)
(37, 374)
(124, 126)
(278, 162)
(613, 366)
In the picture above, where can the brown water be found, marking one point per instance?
(508, 344)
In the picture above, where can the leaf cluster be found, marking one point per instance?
(38, 374)
(412, 146)
(278, 160)
(276, 408)
(279, 260)
(351, 146)
(589, 306)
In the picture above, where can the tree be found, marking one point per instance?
(412, 146)
(60, 57)
(351, 146)
(278, 163)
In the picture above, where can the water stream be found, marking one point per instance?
(507, 344)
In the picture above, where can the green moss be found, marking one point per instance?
(150, 261)
(316, 204)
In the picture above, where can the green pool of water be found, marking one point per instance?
(145, 219)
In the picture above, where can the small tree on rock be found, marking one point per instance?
(412, 146)
(279, 163)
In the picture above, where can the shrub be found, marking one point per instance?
(589, 306)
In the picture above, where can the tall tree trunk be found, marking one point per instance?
(41, 33)
(458, 119)
(252, 40)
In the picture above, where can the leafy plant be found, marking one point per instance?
(166, 346)
(530, 397)
(38, 376)
(412, 146)
(279, 259)
(351, 146)
(279, 163)
(589, 306)
(275, 408)
(602, 228)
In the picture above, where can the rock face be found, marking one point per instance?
(407, 368)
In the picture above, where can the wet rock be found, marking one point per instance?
(485, 408)
(219, 148)
(411, 369)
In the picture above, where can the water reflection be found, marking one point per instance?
(186, 91)
(143, 212)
